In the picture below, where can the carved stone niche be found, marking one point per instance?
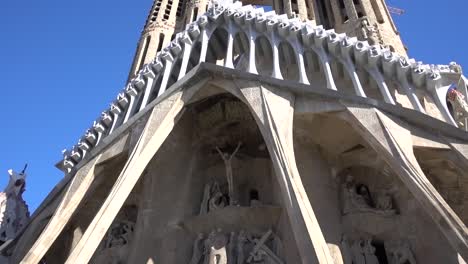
(363, 196)
(361, 249)
(116, 244)
(237, 247)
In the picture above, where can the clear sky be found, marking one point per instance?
(63, 62)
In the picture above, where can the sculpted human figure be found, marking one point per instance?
(346, 250)
(227, 163)
(231, 252)
(217, 199)
(357, 251)
(241, 240)
(197, 251)
(216, 247)
(369, 253)
(384, 201)
(354, 197)
(206, 198)
(402, 254)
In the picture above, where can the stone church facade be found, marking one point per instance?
(298, 135)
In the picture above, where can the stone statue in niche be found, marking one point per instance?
(358, 198)
(216, 248)
(369, 32)
(240, 248)
(399, 253)
(119, 234)
(227, 158)
(213, 198)
(197, 252)
(217, 199)
(360, 251)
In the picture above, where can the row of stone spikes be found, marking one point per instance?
(108, 121)
(249, 17)
(336, 43)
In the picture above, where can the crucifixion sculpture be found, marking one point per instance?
(227, 163)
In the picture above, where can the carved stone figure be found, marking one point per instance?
(206, 198)
(14, 213)
(119, 234)
(346, 250)
(354, 199)
(227, 163)
(400, 253)
(197, 252)
(217, 199)
(369, 32)
(216, 247)
(241, 240)
(384, 202)
(231, 253)
(369, 253)
(358, 198)
(357, 252)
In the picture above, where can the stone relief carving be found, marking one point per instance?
(236, 248)
(213, 198)
(358, 198)
(399, 252)
(119, 234)
(362, 251)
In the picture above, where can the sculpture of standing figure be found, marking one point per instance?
(241, 240)
(216, 245)
(401, 254)
(206, 198)
(369, 253)
(357, 251)
(227, 163)
(346, 250)
(217, 199)
(197, 250)
(232, 248)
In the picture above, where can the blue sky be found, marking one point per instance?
(63, 62)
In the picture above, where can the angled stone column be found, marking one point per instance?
(150, 75)
(161, 122)
(74, 195)
(230, 46)
(379, 79)
(169, 61)
(394, 144)
(252, 68)
(188, 45)
(273, 111)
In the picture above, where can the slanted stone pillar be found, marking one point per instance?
(160, 123)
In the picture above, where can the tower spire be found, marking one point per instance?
(166, 18)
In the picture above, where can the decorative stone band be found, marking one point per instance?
(237, 36)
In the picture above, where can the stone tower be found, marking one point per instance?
(365, 19)
(257, 137)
